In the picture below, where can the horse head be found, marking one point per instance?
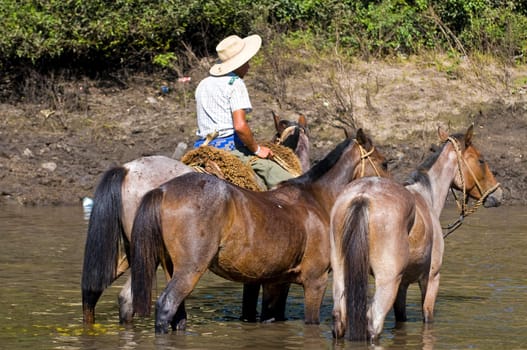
(372, 162)
(294, 135)
(288, 132)
(475, 177)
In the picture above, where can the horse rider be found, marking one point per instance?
(223, 104)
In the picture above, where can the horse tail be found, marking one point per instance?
(356, 267)
(103, 241)
(146, 250)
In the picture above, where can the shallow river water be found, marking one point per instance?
(482, 302)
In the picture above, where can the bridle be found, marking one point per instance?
(365, 155)
(286, 132)
(462, 202)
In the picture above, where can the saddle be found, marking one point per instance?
(226, 166)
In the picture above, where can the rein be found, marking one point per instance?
(366, 155)
(278, 160)
(462, 202)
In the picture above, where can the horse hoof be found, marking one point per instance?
(88, 319)
(269, 320)
(88, 315)
(161, 329)
(126, 317)
(179, 326)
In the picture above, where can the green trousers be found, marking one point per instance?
(267, 170)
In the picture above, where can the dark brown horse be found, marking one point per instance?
(116, 199)
(294, 136)
(393, 232)
(197, 222)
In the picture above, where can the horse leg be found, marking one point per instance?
(126, 310)
(339, 297)
(179, 321)
(250, 301)
(313, 295)
(383, 300)
(91, 297)
(429, 283)
(274, 301)
(125, 300)
(399, 307)
(429, 295)
(168, 305)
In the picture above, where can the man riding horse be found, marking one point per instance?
(222, 102)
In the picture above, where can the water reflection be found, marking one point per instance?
(481, 302)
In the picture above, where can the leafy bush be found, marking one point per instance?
(130, 33)
(499, 32)
(382, 28)
(122, 30)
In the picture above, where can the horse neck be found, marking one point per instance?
(440, 174)
(302, 151)
(333, 182)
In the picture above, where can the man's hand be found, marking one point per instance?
(264, 152)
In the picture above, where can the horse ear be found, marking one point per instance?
(276, 119)
(468, 135)
(443, 135)
(302, 121)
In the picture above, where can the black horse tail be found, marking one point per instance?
(356, 268)
(147, 249)
(104, 239)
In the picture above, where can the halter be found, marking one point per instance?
(366, 155)
(287, 131)
(462, 203)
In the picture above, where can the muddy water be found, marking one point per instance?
(482, 302)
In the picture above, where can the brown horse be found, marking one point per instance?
(393, 232)
(294, 136)
(197, 222)
(116, 199)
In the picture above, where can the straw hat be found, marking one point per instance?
(233, 52)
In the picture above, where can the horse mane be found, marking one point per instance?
(420, 175)
(323, 166)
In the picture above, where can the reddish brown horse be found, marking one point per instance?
(116, 199)
(197, 222)
(393, 232)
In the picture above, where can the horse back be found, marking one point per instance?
(389, 201)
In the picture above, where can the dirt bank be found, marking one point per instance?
(53, 153)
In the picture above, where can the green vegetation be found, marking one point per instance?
(96, 35)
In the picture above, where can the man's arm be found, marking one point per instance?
(242, 129)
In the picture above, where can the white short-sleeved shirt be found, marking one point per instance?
(216, 99)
